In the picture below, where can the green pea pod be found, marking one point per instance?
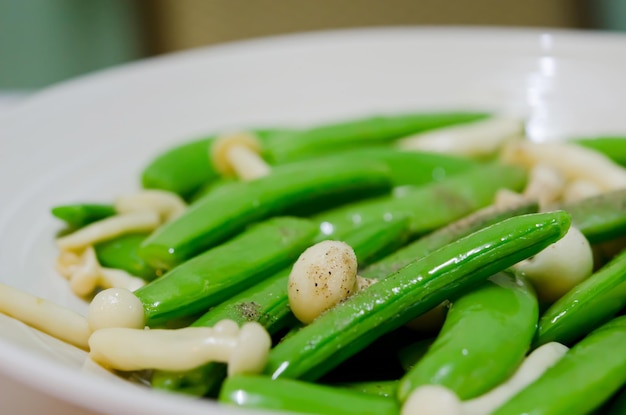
(81, 214)
(122, 253)
(600, 218)
(589, 373)
(414, 352)
(486, 335)
(614, 147)
(430, 206)
(444, 274)
(225, 270)
(267, 303)
(449, 233)
(589, 304)
(411, 167)
(291, 395)
(617, 405)
(376, 130)
(385, 388)
(223, 213)
(186, 168)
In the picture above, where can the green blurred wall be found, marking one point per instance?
(46, 41)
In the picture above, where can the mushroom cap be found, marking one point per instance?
(221, 146)
(324, 275)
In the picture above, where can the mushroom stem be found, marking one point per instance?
(478, 138)
(573, 162)
(247, 164)
(50, 318)
(238, 154)
(530, 370)
(108, 228)
(167, 204)
(245, 350)
(85, 273)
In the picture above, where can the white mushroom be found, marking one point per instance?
(558, 268)
(167, 204)
(109, 228)
(116, 307)
(573, 162)
(580, 189)
(505, 198)
(545, 184)
(85, 273)
(535, 364)
(479, 138)
(181, 349)
(50, 318)
(324, 275)
(237, 154)
(432, 400)
(439, 400)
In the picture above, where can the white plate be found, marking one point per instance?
(87, 140)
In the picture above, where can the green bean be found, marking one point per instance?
(444, 274)
(430, 206)
(226, 212)
(267, 304)
(600, 218)
(617, 405)
(291, 395)
(122, 253)
(225, 270)
(614, 147)
(486, 335)
(410, 167)
(385, 388)
(449, 233)
(186, 168)
(414, 352)
(376, 130)
(589, 373)
(81, 214)
(586, 306)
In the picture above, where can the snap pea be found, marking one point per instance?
(410, 167)
(617, 405)
(589, 373)
(267, 303)
(185, 168)
(614, 147)
(586, 306)
(430, 206)
(386, 388)
(81, 214)
(449, 233)
(122, 253)
(486, 335)
(291, 395)
(600, 218)
(444, 274)
(223, 271)
(223, 213)
(368, 131)
(412, 353)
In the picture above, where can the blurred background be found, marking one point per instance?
(43, 42)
